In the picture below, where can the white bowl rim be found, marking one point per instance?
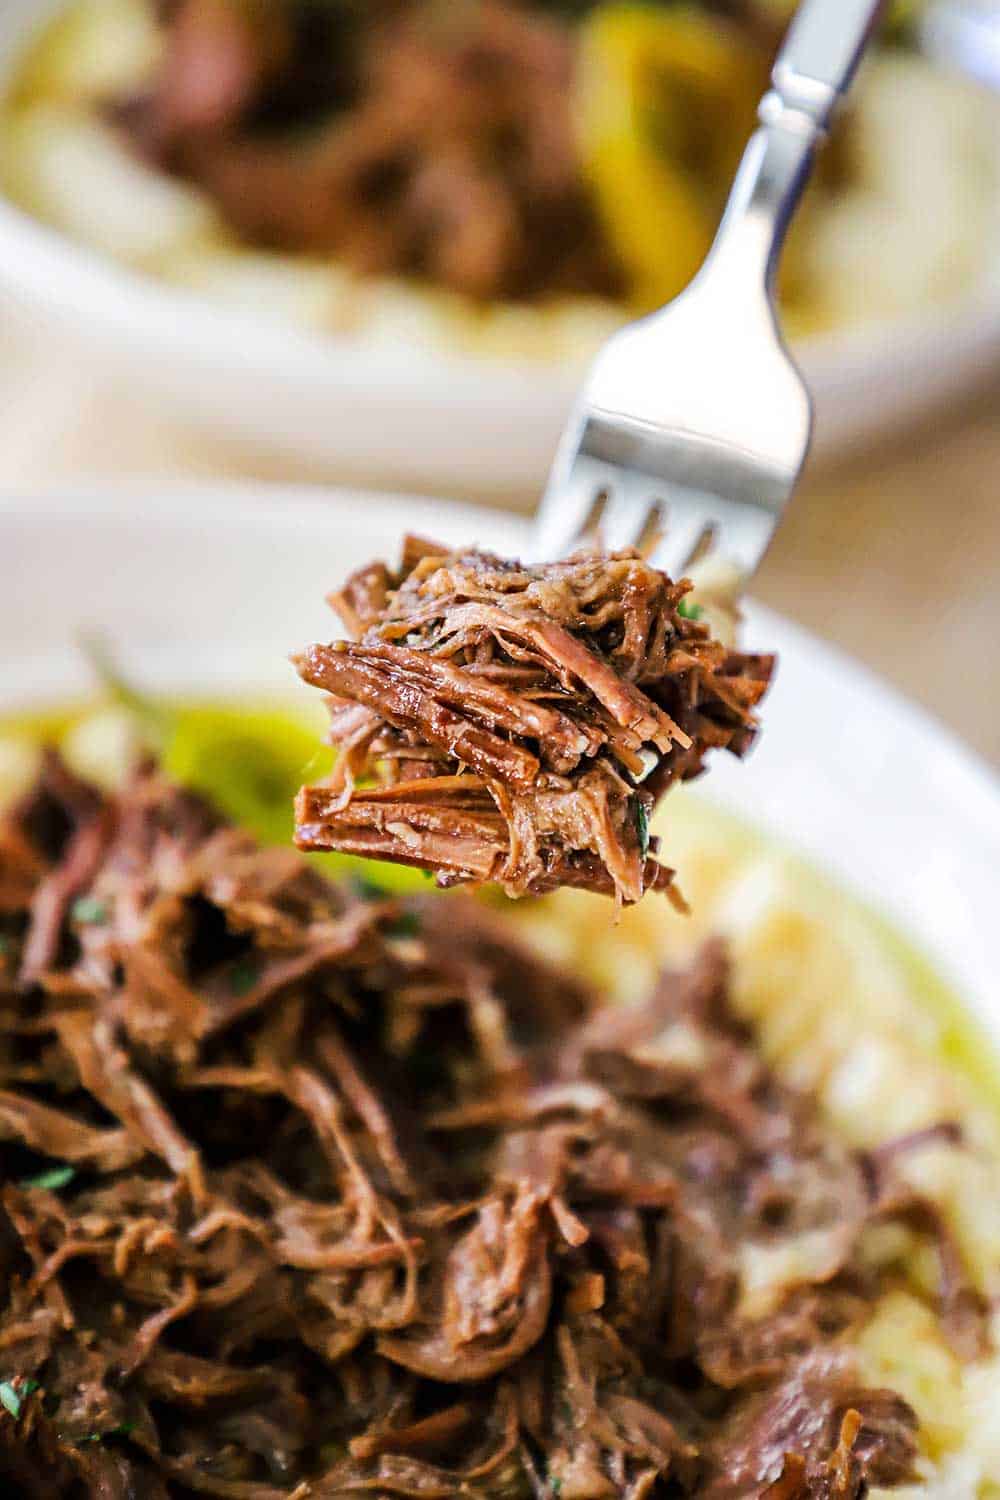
(274, 506)
(104, 295)
(896, 808)
(266, 506)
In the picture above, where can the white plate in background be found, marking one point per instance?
(411, 415)
(198, 593)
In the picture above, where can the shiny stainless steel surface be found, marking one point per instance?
(964, 34)
(821, 54)
(694, 422)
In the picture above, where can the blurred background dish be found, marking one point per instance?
(387, 244)
(964, 34)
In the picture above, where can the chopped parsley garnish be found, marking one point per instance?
(52, 1180)
(689, 611)
(243, 976)
(555, 1485)
(407, 924)
(122, 1430)
(10, 1398)
(368, 890)
(641, 825)
(89, 912)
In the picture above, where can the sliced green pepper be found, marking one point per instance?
(666, 103)
(249, 761)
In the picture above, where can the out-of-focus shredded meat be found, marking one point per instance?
(500, 722)
(309, 1195)
(425, 139)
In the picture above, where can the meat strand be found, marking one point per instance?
(513, 724)
(308, 1193)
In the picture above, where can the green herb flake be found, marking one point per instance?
(243, 976)
(52, 1180)
(407, 924)
(368, 890)
(641, 816)
(124, 1429)
(555, 1485)
(11, 1398)
(688, 611)
(6, 945)
(87, 911)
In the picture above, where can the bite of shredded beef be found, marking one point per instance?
(517, 724)
(309, 1194)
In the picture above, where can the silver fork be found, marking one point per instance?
(694, 422)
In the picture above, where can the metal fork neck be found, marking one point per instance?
(765, 194)
(811, 75)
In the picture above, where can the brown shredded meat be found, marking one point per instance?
(309, 1194)
(499, 722)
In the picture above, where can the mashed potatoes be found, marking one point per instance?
(841, 1007)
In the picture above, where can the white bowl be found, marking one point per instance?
(198, 593)
(409, 415)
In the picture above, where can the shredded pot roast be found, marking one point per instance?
(499, 722)
(308, 1193)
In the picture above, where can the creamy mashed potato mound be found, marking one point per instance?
(843, 1008)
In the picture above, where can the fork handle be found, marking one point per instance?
(819, 58)
(813, 72)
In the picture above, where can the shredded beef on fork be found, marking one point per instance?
(309, 1193)
(512, 723)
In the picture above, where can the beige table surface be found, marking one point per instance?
(895, 555)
